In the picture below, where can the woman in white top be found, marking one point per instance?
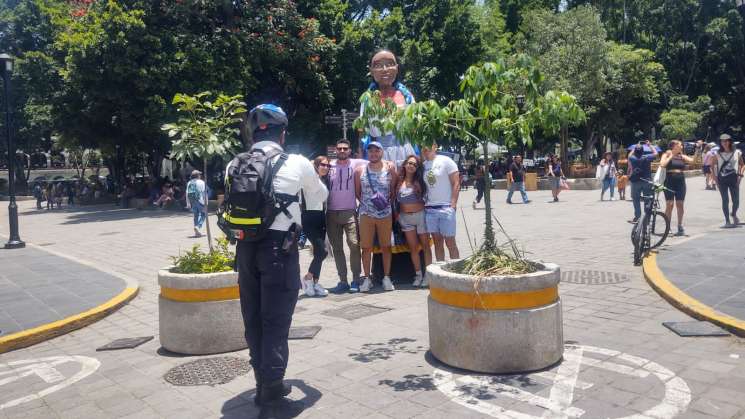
(314, 225)
(607, 174)
(729, 167)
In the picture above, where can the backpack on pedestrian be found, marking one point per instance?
(250, 204)
(192, 191)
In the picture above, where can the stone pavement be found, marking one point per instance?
(710, 268)
(37, 287)
(620, 361)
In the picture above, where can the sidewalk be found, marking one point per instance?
(43, 295)
(709, 268)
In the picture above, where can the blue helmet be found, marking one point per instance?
(266, 116)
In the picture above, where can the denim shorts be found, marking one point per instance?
(440, 221)
(412, 222)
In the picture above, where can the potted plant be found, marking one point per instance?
(199, 308)
(494, 311)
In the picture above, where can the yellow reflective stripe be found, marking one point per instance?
(495, 301)
(242, 221)
(193, 296)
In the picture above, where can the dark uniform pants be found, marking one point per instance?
(269, 280)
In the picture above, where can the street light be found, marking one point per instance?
(14, 242)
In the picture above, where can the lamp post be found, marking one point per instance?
(14, 242)
(711, 112)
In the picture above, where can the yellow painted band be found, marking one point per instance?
(685, 302)
(48, 331)
(194, 296)
(495, 301)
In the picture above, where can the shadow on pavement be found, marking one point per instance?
(370, 352)
(97, 213)
(242, 405)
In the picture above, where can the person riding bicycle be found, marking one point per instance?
(640, 171)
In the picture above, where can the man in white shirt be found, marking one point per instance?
(269, 269)
(195, 199)
(443, 185)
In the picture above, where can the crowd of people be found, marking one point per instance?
(365, 199)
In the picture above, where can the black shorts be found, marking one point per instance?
(707, 170)
(677, 186)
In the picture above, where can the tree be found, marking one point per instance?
(680, 123)
(501, 102)
(204, 130)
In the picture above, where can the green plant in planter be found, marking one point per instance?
(502, 103)
(195, 261)
(204, 130)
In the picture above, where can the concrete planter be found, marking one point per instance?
(513, 324)
(200, 313)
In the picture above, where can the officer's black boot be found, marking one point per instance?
(266, 393)
(274, 404)
(257, 397)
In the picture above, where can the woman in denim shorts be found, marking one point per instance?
(410, 198)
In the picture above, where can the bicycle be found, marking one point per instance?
(652, 230)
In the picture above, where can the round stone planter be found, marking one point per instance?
(200, 313)
(512, 324)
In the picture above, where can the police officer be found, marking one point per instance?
(269, 270)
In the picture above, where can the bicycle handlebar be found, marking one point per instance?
(658, 187)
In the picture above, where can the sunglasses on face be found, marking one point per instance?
(342, 148)
(411, 163)
(326, 165)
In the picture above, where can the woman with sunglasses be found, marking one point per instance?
(410, 198)
(314, 226)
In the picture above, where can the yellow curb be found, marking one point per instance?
(685, 302)
(60, 327)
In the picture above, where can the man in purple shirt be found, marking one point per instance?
(341, 216)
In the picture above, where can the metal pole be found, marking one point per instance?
(14, 241)
(344, 123)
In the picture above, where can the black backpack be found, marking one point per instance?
(250, 204)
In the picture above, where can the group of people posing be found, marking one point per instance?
(365, 199)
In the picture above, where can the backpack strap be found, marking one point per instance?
(284, 200)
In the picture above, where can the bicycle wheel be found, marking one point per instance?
(638, 240)
(658, 228)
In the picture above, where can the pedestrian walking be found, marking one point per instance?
(267, 255)
(674, 162)
(479, 182)
(70, 189)
(38, 194)
(49, 195)
(606, 173)
(516, 177)
(410, 203)
(314, 226)
(708, 157)
(341, 217)
(195, 200)
(621, 181)
(640, 170)
(555, 176)
(729, 166)
(443, 187)
(59, 194)
(375, 185)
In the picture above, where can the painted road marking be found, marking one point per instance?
(474, 391)
(44, 368)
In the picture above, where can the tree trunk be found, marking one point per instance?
(590, 140)
(490, 243)
(207, 207)
(565, 147)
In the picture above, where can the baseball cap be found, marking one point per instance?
(375, 144)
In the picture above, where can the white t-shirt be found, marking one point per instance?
(732, 161)
(437, 176)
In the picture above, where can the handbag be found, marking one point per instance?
(378, 200)
(660, 175)
(564, 184)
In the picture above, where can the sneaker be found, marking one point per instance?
(341, 288)
(320, 290)
(556, 199)
(633, 220)
(355, 287)
(509, 202)
(527, 202)
(366, 285)
(387, 284)
(728, 225)
(474, 204)
(424, 283)
(735, 220)
(681, 231)
(417, 281)
(308, 288)
(197, 233)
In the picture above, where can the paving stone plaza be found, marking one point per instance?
(370, 358)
